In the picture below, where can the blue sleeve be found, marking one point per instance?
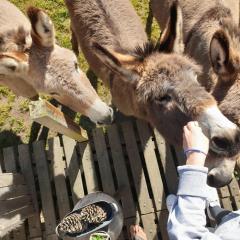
(187, 219)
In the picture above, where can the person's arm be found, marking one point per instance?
(187, 218)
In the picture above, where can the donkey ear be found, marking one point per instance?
(120, 64)
(42, 27)
(220, 53)
(13, 64)
(172, 37)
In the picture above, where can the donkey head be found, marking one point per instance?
(165, 92)
(53, 70)
(224, 56)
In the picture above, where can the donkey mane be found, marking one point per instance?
(141, 52)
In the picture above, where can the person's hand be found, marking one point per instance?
(193, 137)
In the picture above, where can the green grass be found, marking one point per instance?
(15, 124)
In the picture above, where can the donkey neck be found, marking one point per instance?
(109, 22)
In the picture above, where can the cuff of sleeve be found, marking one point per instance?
(193, 181)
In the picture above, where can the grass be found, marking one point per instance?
(15, 124)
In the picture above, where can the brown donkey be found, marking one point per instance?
(154, 83)
(212, 37)
(31, 62)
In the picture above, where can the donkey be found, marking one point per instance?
(31, 62)
(212, 38)
(154, 83)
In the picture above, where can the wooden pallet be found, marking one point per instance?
(129, 161)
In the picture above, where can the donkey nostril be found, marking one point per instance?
(220, 143)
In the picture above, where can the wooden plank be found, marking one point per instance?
(234, 187)
(167, 161)
(13, 191)
(10, 166)
(149, 226)
(226, 203)
(88, 167)
(129, 207)
(73, 169)
(224, 192)
(103, 162)
(6, 236)
(48, 115)
(140, 184)
(14, 203)
(14, 220)
(11, 179)
(45, 187)
(25, 162)
(236, 200)
(162, 222)
(58, 165)
(152, 165)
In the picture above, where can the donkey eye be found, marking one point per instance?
(164, 99)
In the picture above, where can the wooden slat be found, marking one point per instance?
(10, 166)
(73, 169)
(103, 162)
(226, 203)
(140, 184)
(45, 187)
(14, 219)
(129, 208)
(151, 164)
(58, 165)
(162, 222)
(6, 236)
(13, 191)
(234, 187)
(25, 162)
(224, 192)
(167, 161)
(88, 167)
(11, 179)
(14, 203)
(149, 226)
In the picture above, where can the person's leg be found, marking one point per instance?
(137, 233)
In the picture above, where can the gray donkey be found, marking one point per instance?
(212, 37)
(31, 62)
(154, 83)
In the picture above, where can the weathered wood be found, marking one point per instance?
(45, 187)
(167, 161)
(162, 222)
(11, 179)
(152, 164)
(149, 226)
(234, 187)
(103, 162)
(129, 208)
(25, 162)
(10, 166)
(58, 166)
(13, 191)
(73, 169)
(15, 219)
(224, 192)
(226, 203)
(10, 205)
(139, 179)
(51, 117)
(88, 167)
